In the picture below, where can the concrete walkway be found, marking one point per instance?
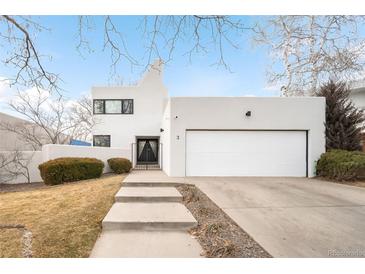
(151, 178)
(293, 217)
(147, 220)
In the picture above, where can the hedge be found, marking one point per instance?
(342, 165)
(120, 165)
(70, 169)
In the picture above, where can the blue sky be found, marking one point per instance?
(182, 78)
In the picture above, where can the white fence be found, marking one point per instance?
(51, 151)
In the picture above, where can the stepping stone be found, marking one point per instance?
(149, 216)
(146, 244)
(150, 184)
(148, 194)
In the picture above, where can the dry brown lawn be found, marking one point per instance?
(10, 243)
(64, 220)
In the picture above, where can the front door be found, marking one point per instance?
(147, 151)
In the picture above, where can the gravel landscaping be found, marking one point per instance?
(217, 233)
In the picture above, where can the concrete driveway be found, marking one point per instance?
(293, 217)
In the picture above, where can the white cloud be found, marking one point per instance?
(275, 87)
(5, 89)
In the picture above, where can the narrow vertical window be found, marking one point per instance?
(98, 106)
(128, 106)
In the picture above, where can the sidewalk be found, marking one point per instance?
(148, 220)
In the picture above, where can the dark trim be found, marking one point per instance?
(94, 106)
(110, 140)
(141, 138)
(132, 106)
(118, 113)
(113, 100)
(246, 130)
(302, 130)
(306, 153)
(147, 137)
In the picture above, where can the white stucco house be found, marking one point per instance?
(357, 94)
(210, 136)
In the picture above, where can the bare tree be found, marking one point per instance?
(14, 164)
(201, 34)
(50, 119)
(308, 50)
(163, 34)
(81, 113)
(17, 36)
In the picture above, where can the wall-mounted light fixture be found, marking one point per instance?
(162, 130)
(248, 113)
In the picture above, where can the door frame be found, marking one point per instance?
(141, 138)
(302, 130)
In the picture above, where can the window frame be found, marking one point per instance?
(103, 103)
(132, 107)
(109, 136)
(121, 110)
(113, 100)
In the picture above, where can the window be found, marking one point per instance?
(98, 106)
(101, 140)
(113, 106)
(128, 106)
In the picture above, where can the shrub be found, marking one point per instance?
(61, 170)
(342, 165)
(344, 122)
(120, 165)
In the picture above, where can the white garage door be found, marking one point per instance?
(246, 153)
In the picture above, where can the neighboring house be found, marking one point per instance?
(357, 94)
(210, 136)
(74, 142)
(10, 141)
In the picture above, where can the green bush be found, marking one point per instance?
(120, 165)
(71, 169)
(342, 165)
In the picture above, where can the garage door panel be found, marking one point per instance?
(246, 153)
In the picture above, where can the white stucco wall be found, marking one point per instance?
(357, 96)
(165, 138)
(229, 113)
(50, 152)
(150, 98)
(53, 151)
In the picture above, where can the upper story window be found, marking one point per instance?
(98, 106)
(113, 106)
(128, 106)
